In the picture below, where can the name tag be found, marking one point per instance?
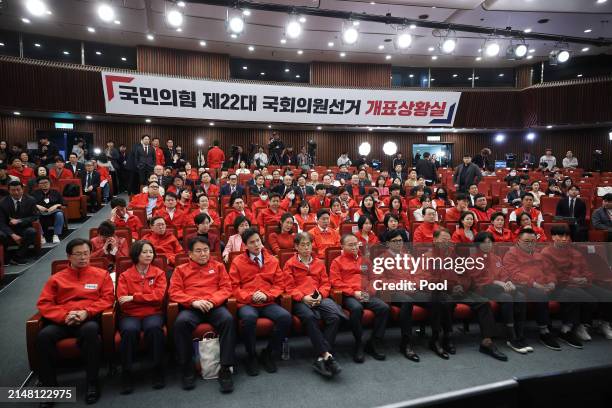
(92, 286)
(46, 200)
(151, 281)
(211, 271)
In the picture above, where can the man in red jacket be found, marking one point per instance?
(309, 286)
(164, 241)
(424, 232)
(215, 156)
(454, 213)
(237, 203)
(121, 218)
(270, 215)
(257, 281)
(108, 245)
(201, 288)
(480, 210)
(71, 303)
(173, 216)
(345, 274)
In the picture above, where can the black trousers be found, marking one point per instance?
(440, 312)
(223, 322)
(28, 236)
(130, 328)
(311, 316)
(143, 175)
(381, 315)
(512, 305)
(88, 339)
(249, 315)
(539, 299)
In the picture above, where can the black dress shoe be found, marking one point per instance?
(92, 395)
(320, 367)
(437, 348)
(493, 351)
(448, 345)
(332, 365)
(358, 354)
(374, 348)
(127, 386)
(406, 349)
(226, 383)
(267, 361)
(252, 366)
(188, 379)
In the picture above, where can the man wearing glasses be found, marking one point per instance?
(150, 200)
(163, 240)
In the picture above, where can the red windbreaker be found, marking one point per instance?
(192, 281)
(148, 291)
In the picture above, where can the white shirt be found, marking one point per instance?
(551, 161)
(567, 162)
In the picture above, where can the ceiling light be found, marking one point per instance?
(106, 12)
(174, 18)
(500, 137)
(433, 79)
(66, 53)
(245, 67)
(478, 58)
(381, 47)
(269, 126)
(287, 70)
(330, 44)
(455, 75)
(579, 76)
(202, 43)
(36, 44)
(246, 12)
(527, 30)
(448, 45)
(516, 51)
(179, 30)
(370, 129)
(601, 1)
(365, 147)
(98, 53)
(585, 49)
(251, 48)
(492, 49)
(501, 75)
(549, 127)
(319, 128)
(117, 22)
(558, 56)
(302, 19)
(123, 59)
(233, 36)
(531, 51)
(88, 117)
(150, 37)
(25, 20)
(211, 123)
(430, 49)
(293, 29)
(36, 7)
(180, 4)
(262, 73)
(91, 29)
(300, 52)
(434, 57)
(350, 35)
(356, 23)
(387, 57)
(343, 54)
(148, 120)
(588, 30)
(390, 148)
(1, 44)
(298, 76)
(411, 76)
(235, 24)
(529, 56)
(412, 26)
(16, 113)
(403, 40)
(283, 41)
(530, 136)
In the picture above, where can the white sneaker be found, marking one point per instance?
(43, 241)
(582, 333)
(605, 329)
(56, 239)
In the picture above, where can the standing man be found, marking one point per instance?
(75, 166)
(574, 207)
(466, 174)
(215, 156)
(144, 159)
(276, 149)
(160, 155)
(427, 169)
(169, 151)
(17, 213)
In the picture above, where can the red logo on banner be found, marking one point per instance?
(110, 79)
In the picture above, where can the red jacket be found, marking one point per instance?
(494, 269)
(424, 232)
(232, 215)
(213, 190)
(216, 220)
(97, 248)
(302, 280)
(482, 215)
(524, 268)
(323, 240)
(268, 217)
(215, 157)
(24, 175)
(104, 173)
(89, 289)
(567, 263)
(65, 175)
(301, 221)
(142, 200)
(132, 222)
(166, 245)
(281, 240)
(345, 274)
(452, 214)
(159, 156)
(316, 203)
(247, 278)
(192, 281)
(148, 291)
(372, 238)
(540, 233)
(505, 236)
(460, 237)
(181, 219)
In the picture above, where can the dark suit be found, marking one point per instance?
(77, 170)
(307, 189)
(226, 190)
(144, 159)
(283, 190)
(27, 214)
(93, 181)
(578, 230)
(165, 181)
(168, 155)
(257, 190)
(427, 170)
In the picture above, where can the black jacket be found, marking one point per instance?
(283, 190)
(473, 175)
(427, 169)
(144, 161)
(77, 170)
(308, 189)
(563, 209)
(28, 213)
(53, 195)
(95, 180)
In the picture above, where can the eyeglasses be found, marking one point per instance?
(200, 251)
(80, 254)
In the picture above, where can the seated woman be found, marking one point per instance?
(204, 208)
(466, 230)
(396, 207)
(554, 189)
(497, 229)
(242, 169)
(415, 197)
(234, 243)
(391, 222)
(381, 186)
(368, 208)
(442, 199)
(304, 215)
(185, 202)
(535, 190)
(191, 173)
(365, 235)
(524, 221)
(140, 292)
(425, 203)
(283, 239)
(337, 215)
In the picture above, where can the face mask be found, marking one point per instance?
(263, 197)
(291, 196)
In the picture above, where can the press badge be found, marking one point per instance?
(151, 281)
(92, 286)
(211, 271)
(46, 200)
(364, 268)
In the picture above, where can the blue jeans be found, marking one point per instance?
(57, 219)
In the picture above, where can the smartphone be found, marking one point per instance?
(315, 294)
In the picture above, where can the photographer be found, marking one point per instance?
(238, 156)
(289, 158)
(260, 159)
(107, 244)
(276, 149)
(303, 159)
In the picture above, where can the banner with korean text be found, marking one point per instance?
(151, 95)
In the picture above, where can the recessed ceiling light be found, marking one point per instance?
(262, 73)
(179, 30)
(430, 49)
(330, 44)
(319, 128)
(579, 76)
(601, 1)
(381, 47)
(174, 17)
(501, 75)
(150, 37)
(16, 113)
(117, 22)
(88, 117)
(411, 76)
(412, 26)
(202, 43)
(527, 30)
(251, 48)
(478, 58)
(234, 36)
(300, 52)
(302, 19)
(529, 56)
(455, 75)
(434, 57)
(585, 49)
(286, 69)
(343, 54)
(98, 53)
(1, 44)
(356, 23)
(531, 51)
(245, 67)
(283, 41)
(372, 3)
(246, 12)
(549, 127)
(269, 126)
(148, 120)
(25, 20)
(387, 57)
(298, 76)
(181, 4)
(66, 53)
(123, 59)
(36, 44)
(480, 50)
(433, 79)
(588, 30)
(477, 78)
(91, 29)
(211, 123)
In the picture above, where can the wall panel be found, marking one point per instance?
(344, 74)
(183, 63)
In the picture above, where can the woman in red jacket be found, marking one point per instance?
(336, 215)
(140, 292)
(396, 208)
(283, 239)
(204, 208)
(465, 231)
(524, 221)
(497, 228)
(304, 215)
(367, 238)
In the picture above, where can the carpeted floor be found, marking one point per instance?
(370, 384)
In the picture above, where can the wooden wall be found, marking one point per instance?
(330, 144)
(344, 74)
(183, 63)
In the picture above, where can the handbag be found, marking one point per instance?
(210, 355)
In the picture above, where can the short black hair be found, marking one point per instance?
(301, 236)
(77, 242)
(497, 214)
(236, 195)
(389, 235)
(106, 229)
(248, 233)
(197, 239)
(43, 178)
(155, 218)
(440, 231)
(461, 197)
(200, 218)
(239, 220)
(15, 183)
(388, 217)
(362, 221)
(171, 195)
(274, 195)
(320, 186)
(483, 235)
(559, 230)
(118, 202)
(607, 197)
(345, 236)
(137, 247)
(322, 212)
(524, 231)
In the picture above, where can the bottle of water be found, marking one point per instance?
(285, 350)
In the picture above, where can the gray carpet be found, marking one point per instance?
(370, 384)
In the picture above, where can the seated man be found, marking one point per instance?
(425, 231)
(121, 218)
(90, 181)
(19, 170)
(49, 204)
(270, 215)
(320, 200)
(345, 274)
(108, 245)
(309, 286)
(527, 207)
(71, 303)
(203, 222)
(105, 179)
(454, 213)
(201, 288)
(232, 187)
(480, 210)
(237, 204)
(59, 171)
(173, 216)
(601, 219)
(148, 201)
(257, 281)
(323, 236)
(163, 240)
(17, 213)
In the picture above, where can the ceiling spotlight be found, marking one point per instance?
(319, 128)
(293, 29)
(251, 48)
(390, 148)
(403, 40)
(283, 41)
(234, 36)
(387, 57)
(434, 57)
(448, 45)
(91, 29)
(36, 7)
(298, 76)
(585, 49)
(381, 47)
(16, 113)
(148, 120)
(150, 37)
(527, 30)
(558, 56)
(492, 49)
(302, 19)
(287, 69)
(411, 76)
(365, 147)
(516, 51)
(330, 44)
(211, 123)
(174, 18)
(98, 53)
(269, 126)
(36, 44)
(181, 4)
(430, 49)
(66, 53)
(500, 137)
(235, 23)
(300, 52)
(117, 22)
(529, 56)
(412, 26)
(202, 43)
(530, 136)
(262, 73)
(106, 13)
(245, 67)
(588, 30)
(26, 20)
(246, 12)
(350, 34)
(601, 1)
(343, 54)
(123, 59)
(88, 117)
(549, 126)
